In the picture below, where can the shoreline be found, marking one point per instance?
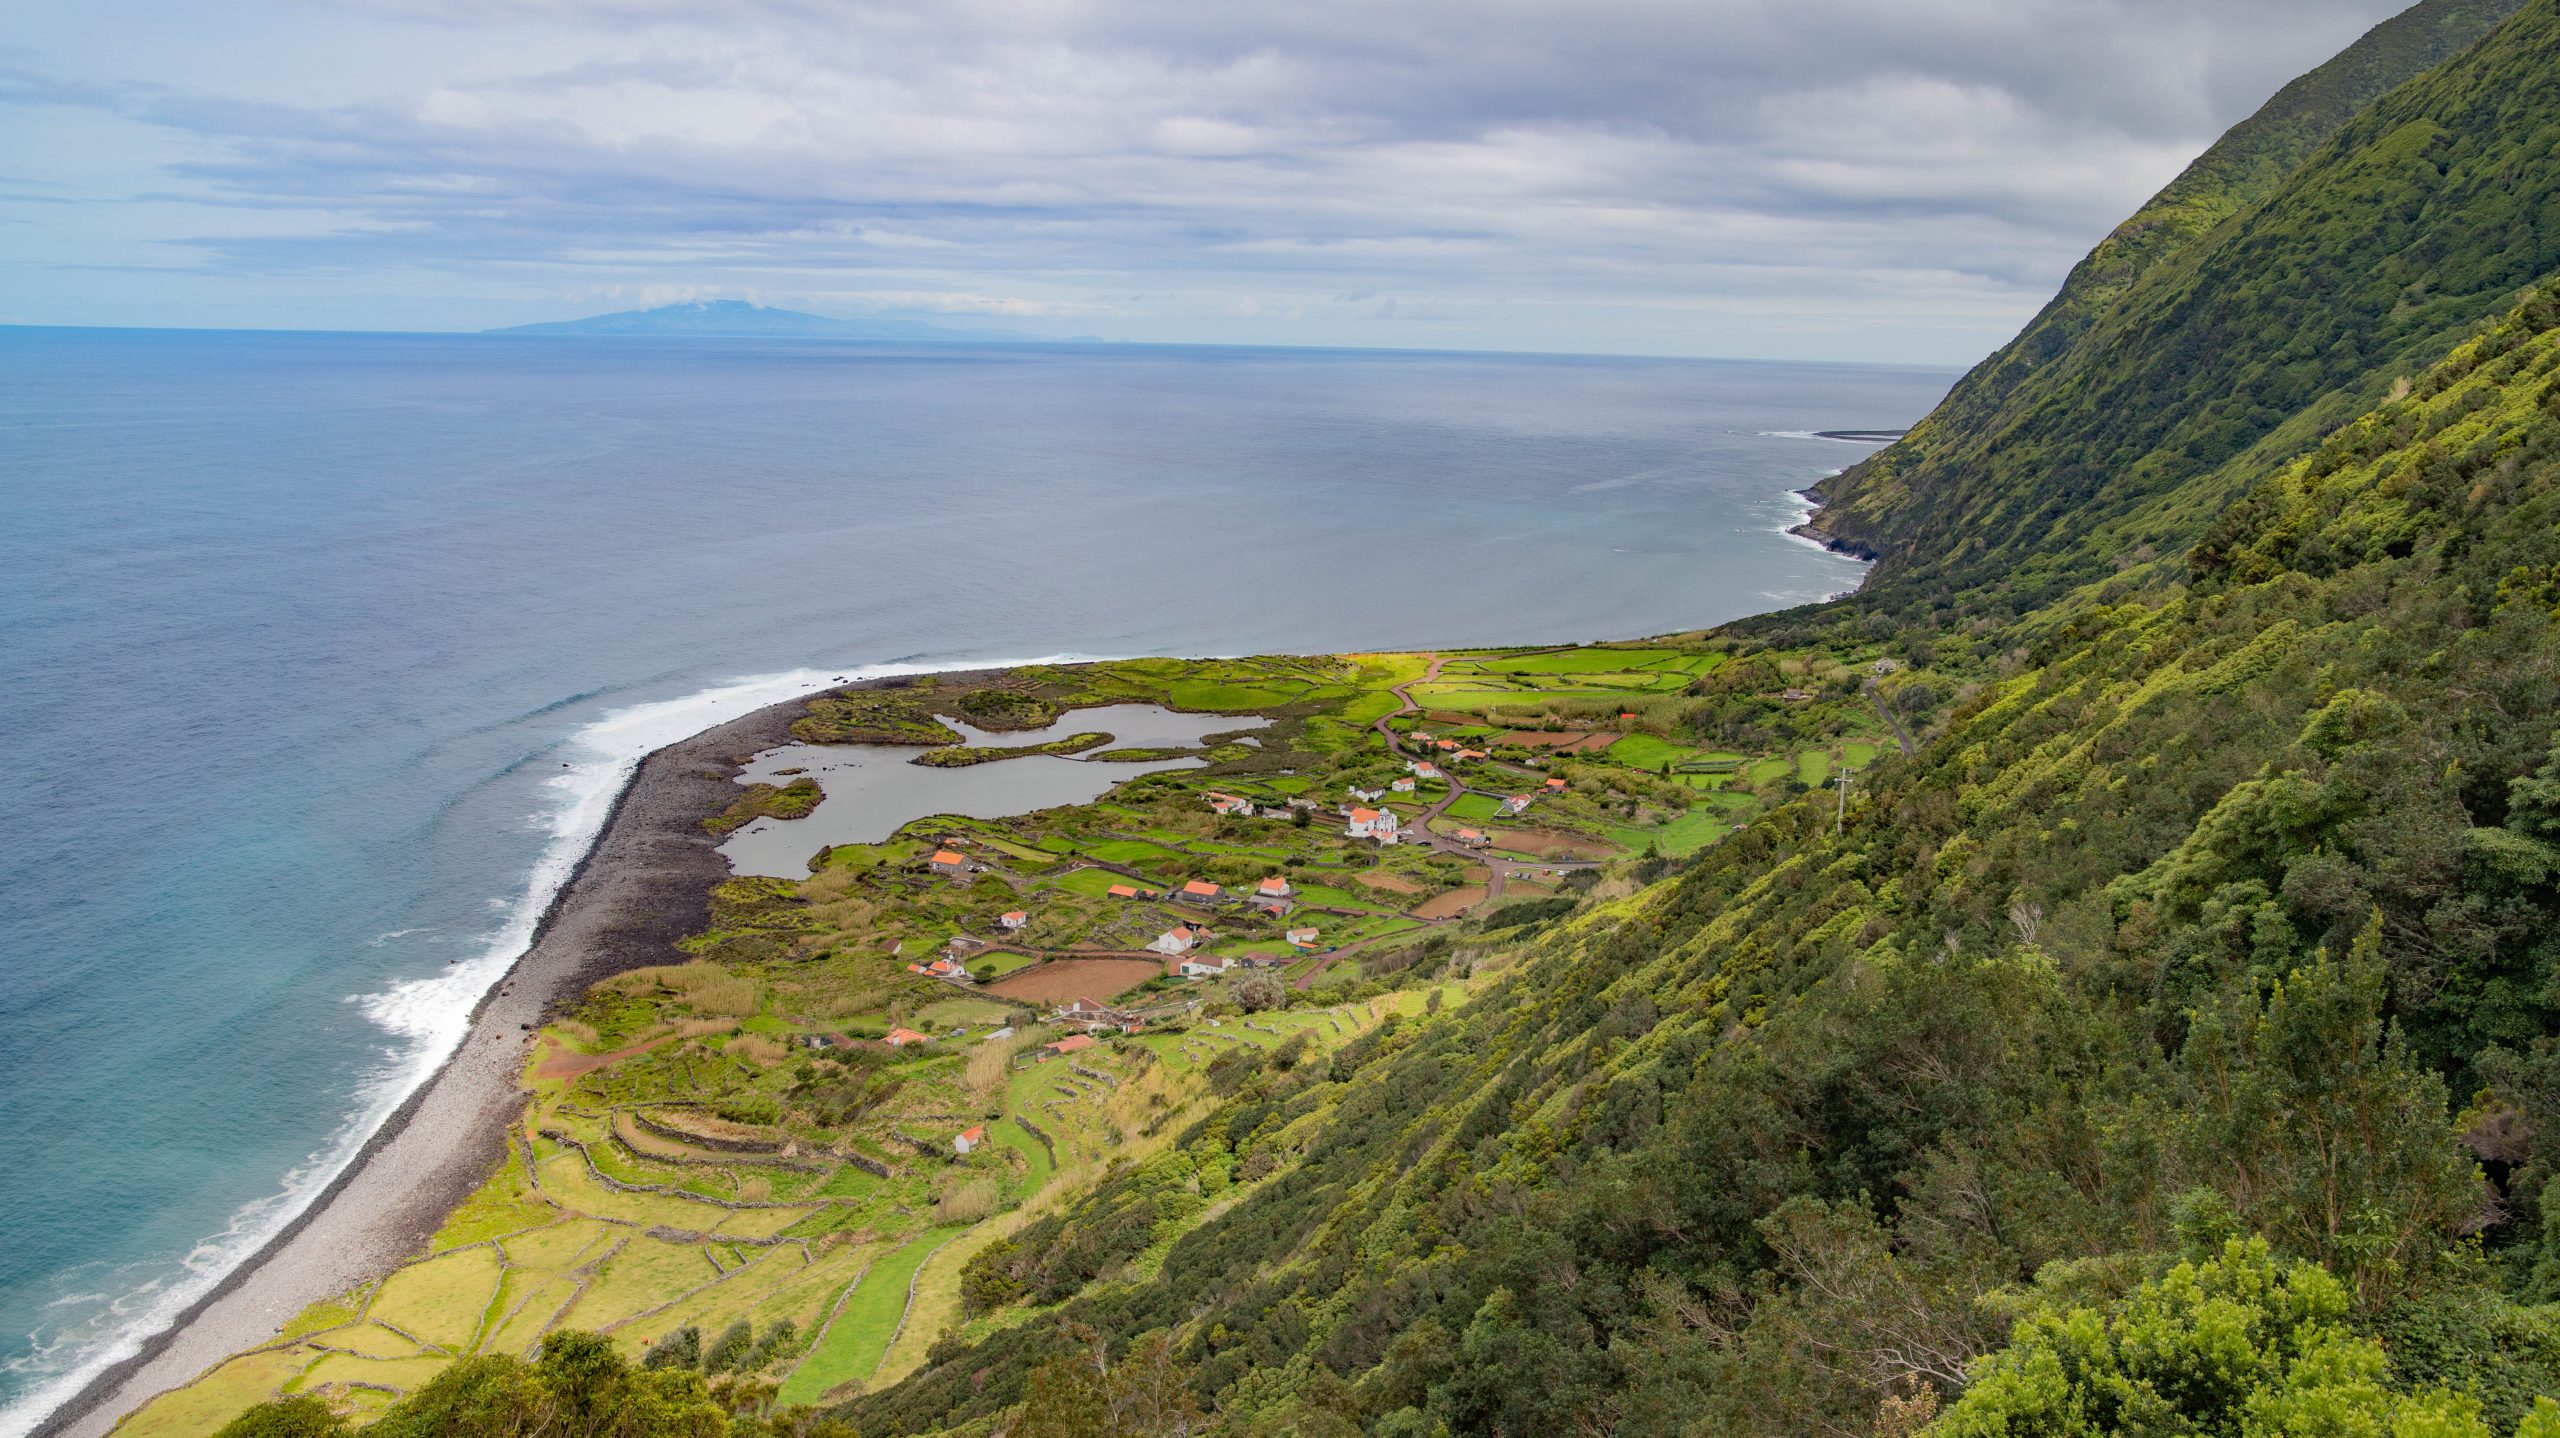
(642, 884)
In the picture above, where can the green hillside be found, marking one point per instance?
(2253, 305)
(2166, 1042)
(2172, 1044)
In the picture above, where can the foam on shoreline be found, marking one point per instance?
(424, 1019)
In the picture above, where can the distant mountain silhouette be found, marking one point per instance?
(739, 319)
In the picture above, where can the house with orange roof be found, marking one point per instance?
(1424, 769)
(1472, 838)
(1378, 824)
(1200, 891)
(1180, 939)
(969, 1138)
(900, 1038)
(1466, 754)
(1012, 919)
(1302, 938)
(1401, 786)
(1122, 891)
(945, 861)
(1555, 786)
(1275, 886)
(942, 969)
(1071, 1044)
(1516, 804)
(1205, 968)
(1232, 804)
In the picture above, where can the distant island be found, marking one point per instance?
(742, 319)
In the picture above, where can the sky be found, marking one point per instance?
(1880, 180)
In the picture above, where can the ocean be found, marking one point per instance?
(323, 656)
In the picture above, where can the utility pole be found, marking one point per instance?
(1840, 815)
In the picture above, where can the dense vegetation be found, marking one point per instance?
(2194, 985)
(2135, 408)
(2171, 1044)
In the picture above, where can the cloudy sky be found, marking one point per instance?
(1882, 179)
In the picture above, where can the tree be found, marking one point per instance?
(1147, 1394)
(300, 1416)
(2237, 1345)
(1257, 991)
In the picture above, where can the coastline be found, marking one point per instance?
(642, 884)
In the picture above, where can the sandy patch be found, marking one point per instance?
(1556, 739)
(1060, 980)
(1451, 904)
(1392, 883)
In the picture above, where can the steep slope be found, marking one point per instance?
(2215, 912)
(2133, 408)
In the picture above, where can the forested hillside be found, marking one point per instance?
(2168, 1045)
(2250, 307)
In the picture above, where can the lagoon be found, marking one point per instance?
(873, 790)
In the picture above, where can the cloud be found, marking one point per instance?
(1610, 174)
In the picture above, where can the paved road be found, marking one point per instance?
(1875, 697)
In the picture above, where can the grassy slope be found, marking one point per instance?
(2339, 238)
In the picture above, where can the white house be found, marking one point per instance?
(1367, 796)
(1012, 919)
(968, 1138)
(1180, 939)
(1401, 786)
(1302, 938)
(1275, 887)
(1205, 968)
(1516, 804)
(1378, 824)
(1232, 804)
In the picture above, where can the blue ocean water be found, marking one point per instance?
(321, 657)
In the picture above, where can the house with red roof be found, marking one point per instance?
(945, 861)
(1555, 786)
(1012, 919)
(1071, 1044)
(1123, 891)
(1232, 804)
(900, 1038)
(1473, 838)
(969, 1138)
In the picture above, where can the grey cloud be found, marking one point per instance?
(1609, 165)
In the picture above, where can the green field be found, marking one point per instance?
(1128, 851)
(1685, 835)
(1474, 806)
(1643, 751)
(1572, 661)
(858, 1338)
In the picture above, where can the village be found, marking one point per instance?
(863, 1078)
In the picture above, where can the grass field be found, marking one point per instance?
(1643, 751)
(1474, 806)
(858, 1337)
(1572, 661)
(1685, 835)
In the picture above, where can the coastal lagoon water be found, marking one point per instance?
(322, 657)
(873, 790)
